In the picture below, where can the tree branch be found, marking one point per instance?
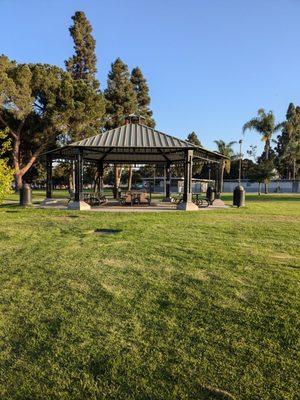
(37, 105)
(11, 132)
(32, 160)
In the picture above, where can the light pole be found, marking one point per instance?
(240, 162)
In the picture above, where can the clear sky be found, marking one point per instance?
(210, 64)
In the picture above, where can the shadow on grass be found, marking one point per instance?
(266, 197)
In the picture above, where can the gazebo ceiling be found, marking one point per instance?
(134, 143)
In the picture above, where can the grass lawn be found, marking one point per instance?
(174, 306)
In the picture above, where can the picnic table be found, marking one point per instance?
(92, 198)
(132, 198)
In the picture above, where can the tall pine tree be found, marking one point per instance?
(142, 92)
(82, 65)
(193, 138)
(88, 99)
(284, 164)
(121, 98)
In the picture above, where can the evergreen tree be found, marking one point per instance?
(193, 138)
(121, 100)
(82, 65)
(287, 140)
(36, 106)
(143, 99)
(120, 95)
(262, 172)
(88, 100)
(226, 150)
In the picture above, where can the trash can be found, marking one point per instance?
(239, 196)
(25, 195)
(210, 194)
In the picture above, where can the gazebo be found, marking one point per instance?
(132, 143)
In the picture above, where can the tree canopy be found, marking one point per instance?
(193, 138)
(88, 99)
(83, 64)
(36, 105)
(265, 125)
(120, 95)
(142, 93)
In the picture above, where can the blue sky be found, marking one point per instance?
(210, 64)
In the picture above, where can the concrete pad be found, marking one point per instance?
(47, 201)
(189, 206)
(218, 203)
(79, 205)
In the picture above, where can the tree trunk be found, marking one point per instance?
(267, 148)
(16, 164)
(129, 177)
(95, 184)
(117, 179)
(222, 177)
(266, 187)
(259, 191)
(18, 181)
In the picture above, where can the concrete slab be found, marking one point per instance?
(188, 206)
(114, 206)
(48, 201)
(79, 205)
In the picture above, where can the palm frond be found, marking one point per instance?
(251, 125)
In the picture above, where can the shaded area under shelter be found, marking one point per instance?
(132, 143)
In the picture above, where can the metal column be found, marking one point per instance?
(49, 184)
(100, 175)
(188, 171)
(168, 180)
(78, 174)
(218, 186)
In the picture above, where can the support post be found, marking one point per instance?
(78, 175)
(187, 203)
(100, 175)
(49, 183)
(168, 183)
(218, 185)
(78, 204)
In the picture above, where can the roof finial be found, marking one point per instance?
(134, 119)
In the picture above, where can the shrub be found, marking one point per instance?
(6, 177)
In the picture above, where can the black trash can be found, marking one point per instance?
(25, 195)
(210, 194)
(239, 196)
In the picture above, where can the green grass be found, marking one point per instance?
(174, 306)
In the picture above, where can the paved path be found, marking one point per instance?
(115, 207)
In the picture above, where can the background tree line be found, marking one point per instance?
(43, 106)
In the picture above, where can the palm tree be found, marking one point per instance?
(264, 124)
(226, 150)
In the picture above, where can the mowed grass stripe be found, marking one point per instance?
(174, 306)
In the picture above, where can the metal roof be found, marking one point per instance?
(133, 135)
(134, 143)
